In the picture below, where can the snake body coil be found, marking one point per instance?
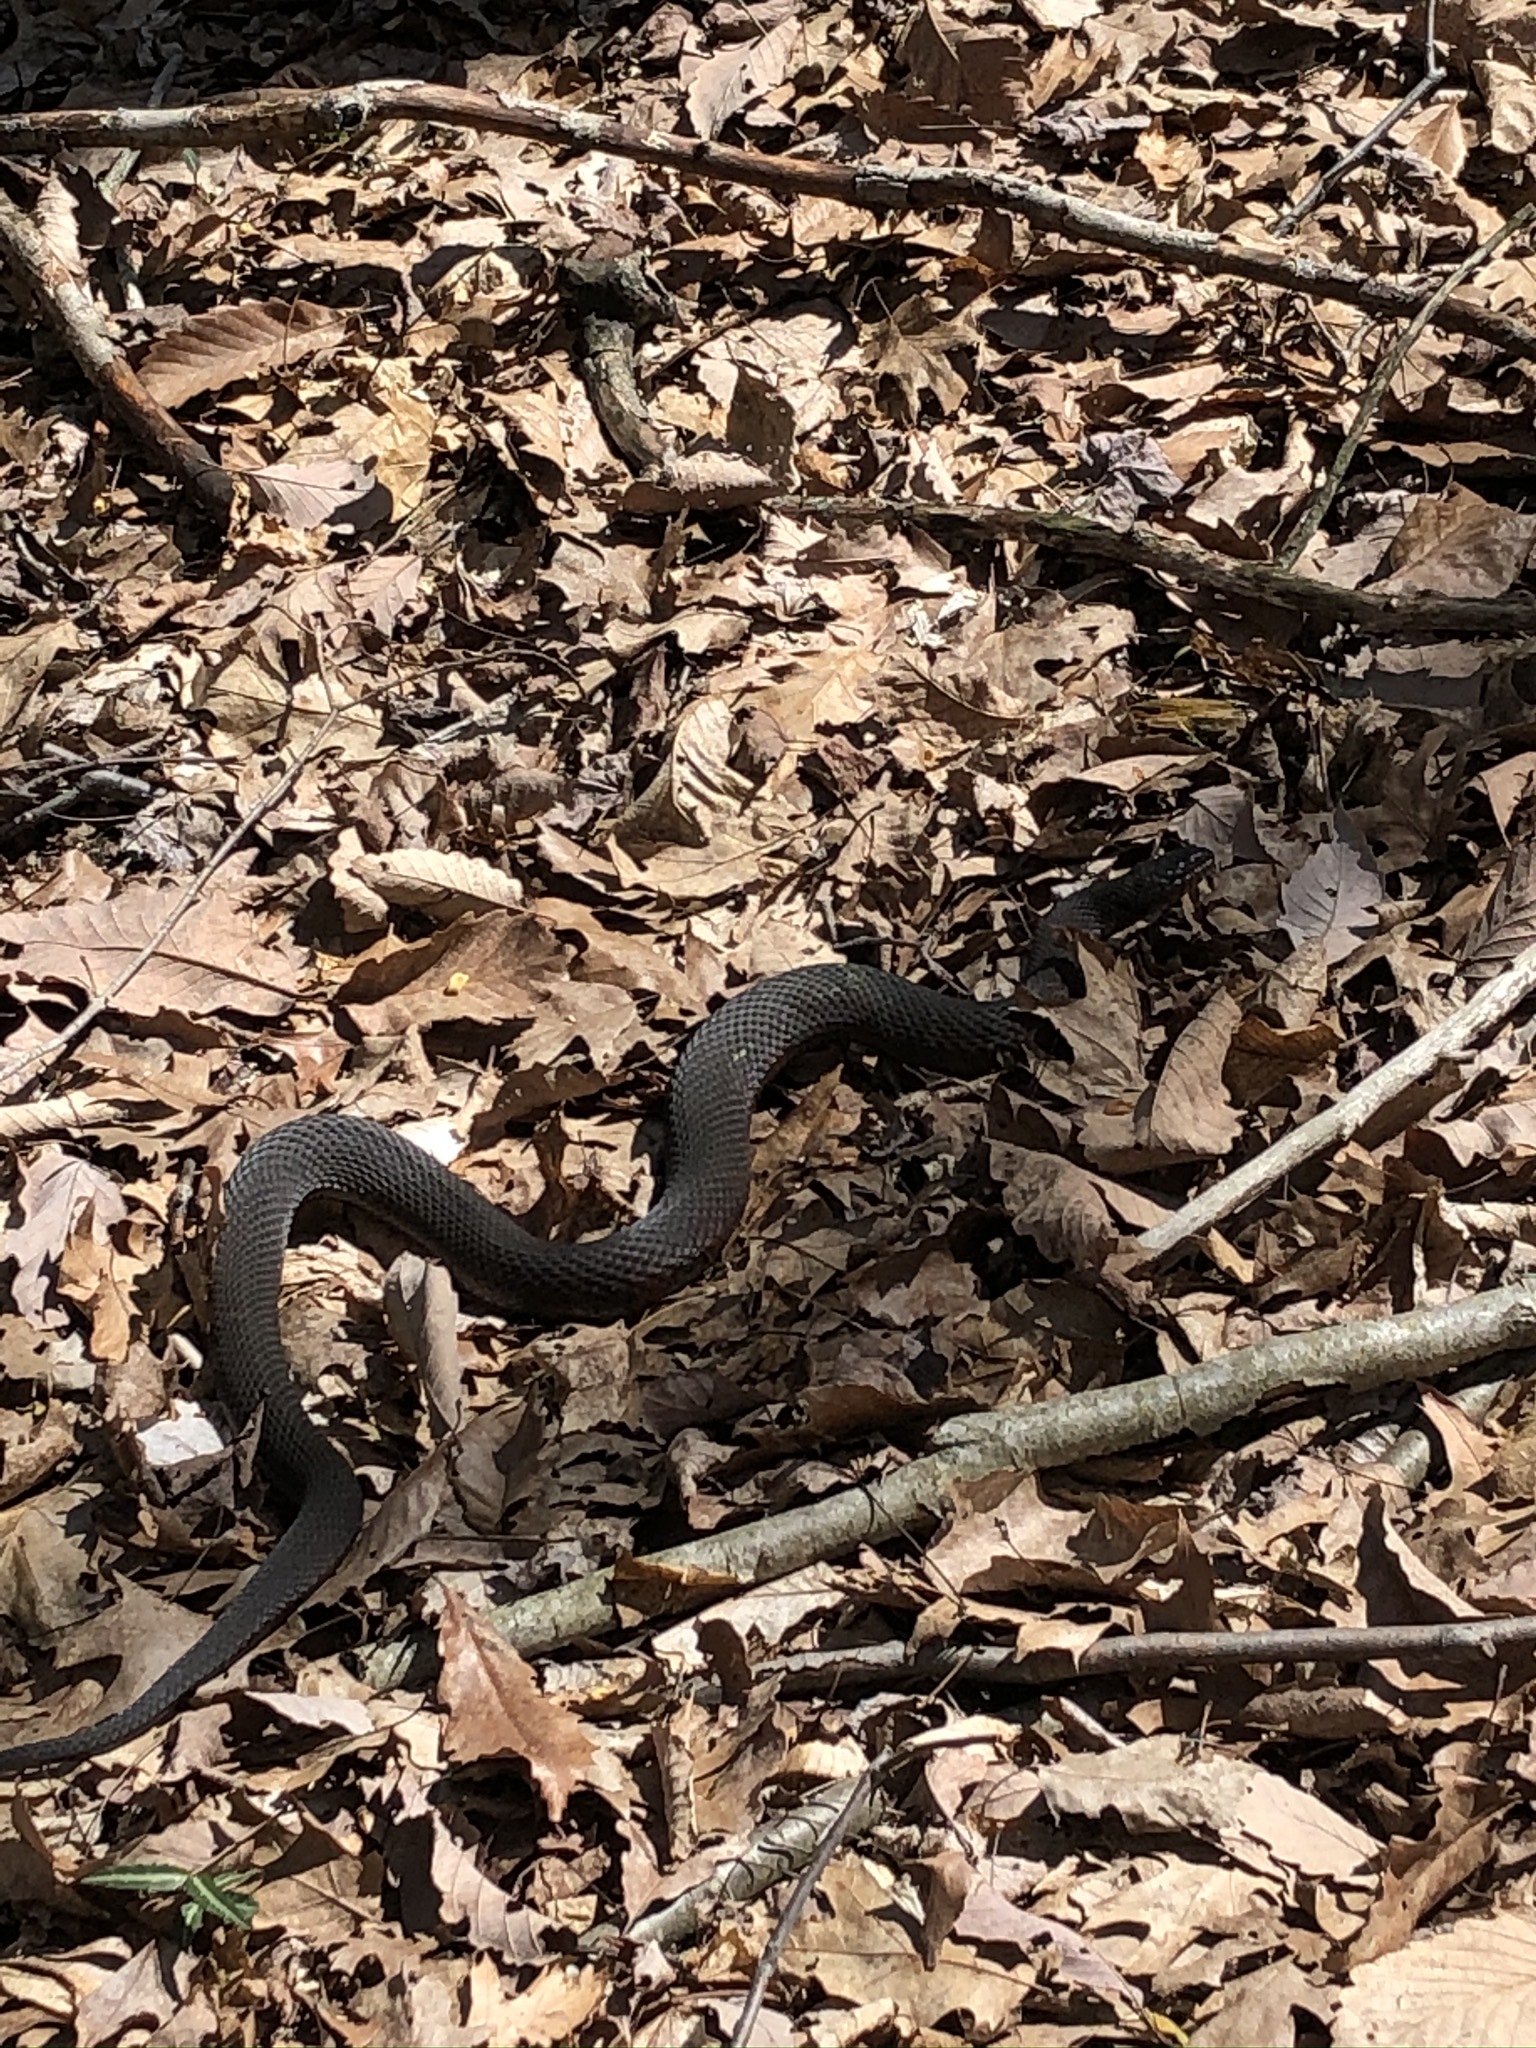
(723, 1069)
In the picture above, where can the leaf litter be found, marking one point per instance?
(598, 748)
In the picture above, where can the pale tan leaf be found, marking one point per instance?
(1509, 91)
(723, 84)
(696, 787)
(1005, 1536)
(1333, 899)
(442, 883)
(57, 219)
(557, 2006)
(138, 1632)
(145, 1993)
(859, 1950)
(309, 494)
(26, 657)
(1439, 135)
(61, 1197)
(1473, 1982)
(1256, 1816)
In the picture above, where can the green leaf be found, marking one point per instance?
(205, 1895)
(138, 1877)
(222, 1898)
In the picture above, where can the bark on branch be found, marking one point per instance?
(1144, 548)
(1033, 1438)
(1352, 1112)
(307, 118)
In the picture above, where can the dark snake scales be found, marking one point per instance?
(722, 1070)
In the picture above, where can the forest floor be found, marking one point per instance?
(1043, 445)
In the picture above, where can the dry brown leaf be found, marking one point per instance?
(1061, 1206)
(1460, 545)
(1420, 1877)
(559, 2005)
(141, 1633)
(214, 961)
(993, 1921)
(1165, 1924)
(500, 969)
(1190, 1114)
(1015, 672)
(1005, 1536)
(42, 1568)
(32, 1448)
(1257, 1817)
(442, 1884)
(421, 1306)
(1508, 925)
(234, 343)
(495, 1708)
(1261, 2005)
(1263, 1055)
(859, 1950)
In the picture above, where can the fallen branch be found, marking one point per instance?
(791, 1841)
(71, 312)
(1491, 1005)
(302, 119)
(1144, 548)
(856, 1808)
(1030, 1438)
(828, 1672)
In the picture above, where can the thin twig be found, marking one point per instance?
(853, 1813)
(1434, 75)
(774, 1851)
(23, 1072)
(1145, 548)
(1491, 1005)
(1316, 509)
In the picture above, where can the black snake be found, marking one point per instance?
(722, 1070)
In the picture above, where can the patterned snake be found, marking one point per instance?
(723, 1069)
